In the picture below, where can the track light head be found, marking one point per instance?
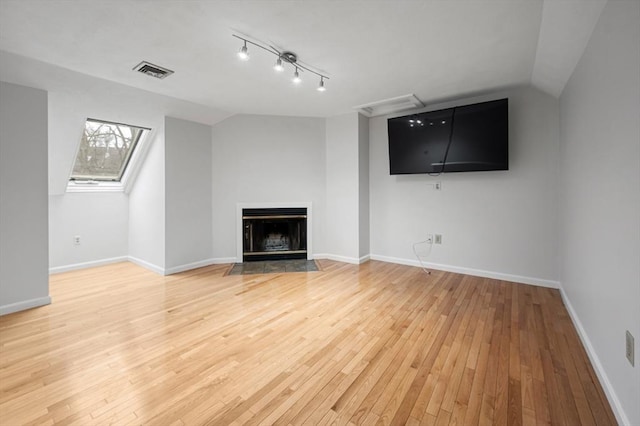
(278, 66)
(321, 87)
(243, 54)
(296, 77)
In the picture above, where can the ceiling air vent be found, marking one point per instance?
(152, 70)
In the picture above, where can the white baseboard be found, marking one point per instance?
(83, 265)
(345, 259)
(470, 271)
(338, 258)
(595, 361)
(23, 305)
(223, 260)
(150, 266)
(155, 268)
(199, 264)
(188, 266)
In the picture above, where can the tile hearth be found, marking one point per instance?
(273, 267)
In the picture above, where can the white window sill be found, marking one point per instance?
(95, 187)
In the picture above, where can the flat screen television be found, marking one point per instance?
(466, 138)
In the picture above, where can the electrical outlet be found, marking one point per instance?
(438, 239)
(429, 239)
(630, 348)
(438, 186)
(76, 240)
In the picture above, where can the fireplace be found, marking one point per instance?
(274, 233)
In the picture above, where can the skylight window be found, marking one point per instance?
(105, 151)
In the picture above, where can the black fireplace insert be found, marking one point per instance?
(274, 233)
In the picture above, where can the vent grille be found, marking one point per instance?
(152, 70)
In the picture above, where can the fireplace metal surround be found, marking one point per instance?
(274, 233)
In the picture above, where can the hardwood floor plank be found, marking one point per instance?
(375, 343)
(514, 410)
(472, 415)
(445, 334)
(502, 381)
(490, 384)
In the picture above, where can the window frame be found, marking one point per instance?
(128, 169)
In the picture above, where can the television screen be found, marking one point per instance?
(461, 139)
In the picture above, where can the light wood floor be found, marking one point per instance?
(371, 344)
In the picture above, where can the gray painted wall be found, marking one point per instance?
(147, 209)
(259, 159)
(188, 196)
(24, 262)
(343, 207)
(101, 220)
(500, 223)
(72, 97)
(600, 199)
(363, 170)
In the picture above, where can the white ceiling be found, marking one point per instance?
(371, 50)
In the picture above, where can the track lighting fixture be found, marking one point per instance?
(321, 87)
(282, 58)
(243, 54)
(278, 66)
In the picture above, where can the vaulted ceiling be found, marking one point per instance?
(370, 49)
